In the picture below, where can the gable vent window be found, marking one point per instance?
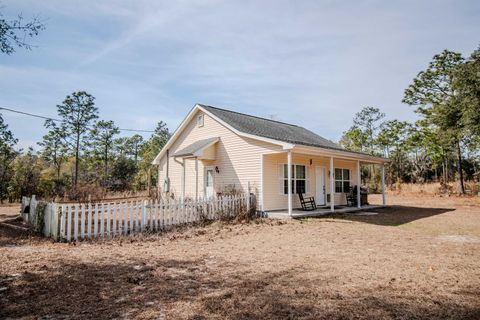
(200, 121)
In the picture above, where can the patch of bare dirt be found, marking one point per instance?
(9, 211)
(396, 264)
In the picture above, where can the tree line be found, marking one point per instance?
(80, 152)
(80, 155)
(443, 145)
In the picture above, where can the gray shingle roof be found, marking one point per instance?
(194, 147)
(272, 129)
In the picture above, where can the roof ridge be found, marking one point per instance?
(249, 115)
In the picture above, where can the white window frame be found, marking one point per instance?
(200, 120)
(342, 180)
(282, 178)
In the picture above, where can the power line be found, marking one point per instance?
(58, 120)
(29, 114)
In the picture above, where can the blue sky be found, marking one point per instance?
(312, 63)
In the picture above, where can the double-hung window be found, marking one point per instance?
(300, 179)
(342, 180)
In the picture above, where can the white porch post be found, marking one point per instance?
(262, 181)
(359, 180)
(196, 178)
(384, 201)
(332, 186)
(183, 179)
(289, 170)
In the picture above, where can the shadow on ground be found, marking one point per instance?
(16, 237)
(394, 215)
(190, 289)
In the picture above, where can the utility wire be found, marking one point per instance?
(29, 114)
(58, 120)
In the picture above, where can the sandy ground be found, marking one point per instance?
(417, 259)
(9, 211)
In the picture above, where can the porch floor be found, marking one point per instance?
(320, 211)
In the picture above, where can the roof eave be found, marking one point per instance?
(174, 136)
(346, 154)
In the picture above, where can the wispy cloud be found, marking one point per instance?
(314, 63)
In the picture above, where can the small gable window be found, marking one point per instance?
(200, 121)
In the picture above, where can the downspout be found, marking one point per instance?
(167, 177)
(168, 156)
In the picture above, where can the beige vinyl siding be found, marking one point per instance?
(275, 200)
(238, 159)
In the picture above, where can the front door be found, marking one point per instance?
(209, 182)
(320, 186)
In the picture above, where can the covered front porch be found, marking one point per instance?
(329, 179)
(320, 211)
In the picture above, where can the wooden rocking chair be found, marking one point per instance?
(352, 197)
(308, 204)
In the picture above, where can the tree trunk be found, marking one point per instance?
(149, 178)
(446, 170)
(77, 151)
(398, 166)
(136, 154)
(106, 167)
(460, 171)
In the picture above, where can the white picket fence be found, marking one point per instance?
(87, 221)
(51, 221)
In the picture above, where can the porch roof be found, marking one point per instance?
(339, 154)
(196, 148)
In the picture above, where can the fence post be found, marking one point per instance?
(144, 214)
(130, 216)
(82, 222)
(22, 207)
(89, 218)
(63, 213)
(102, 220)
(55, 221)
(108, 220)
(69, 223)
(33, 208)
(47, 219)
(75, 223)
(95, 221)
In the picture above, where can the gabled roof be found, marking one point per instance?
(272, 129)
(196, 147)
(288, 136)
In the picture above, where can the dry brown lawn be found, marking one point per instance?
(418, 259)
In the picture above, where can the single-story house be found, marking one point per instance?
(216, 151)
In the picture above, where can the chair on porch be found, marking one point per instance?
(352, 197)
(308, 203)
